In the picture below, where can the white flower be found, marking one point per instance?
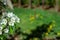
(4, 3)
(10, 14)
(0, 32)
(11, 24)
(1, 28)
(17, 19)
(13, 19)
(6, 30)
(4, 21)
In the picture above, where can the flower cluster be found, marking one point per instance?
(8, 20)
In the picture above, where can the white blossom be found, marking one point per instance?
(6, 30)
(9, 18)
(4, 3)
(11, 24)
(4, 21)
(0, 32)
(13, 19)
(17, 19)
(10, 14)
(1, 28)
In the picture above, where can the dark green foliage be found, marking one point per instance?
(58, 37)
(1, 5)
(25, 1)
(14, 1)
(38, 32)
(50, 2)
(12, 37)
(18, 31)
(36, 2)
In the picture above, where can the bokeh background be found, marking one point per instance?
(37, 12)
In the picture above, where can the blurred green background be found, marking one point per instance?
(30, 18)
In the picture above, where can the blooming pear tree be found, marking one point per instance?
(7, 24)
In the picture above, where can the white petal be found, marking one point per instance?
(6, 30)
(1, 28)
(4, 21)
(0, 32)
(11, 24)
(17, 20)
(10, 14)
(13, 19)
